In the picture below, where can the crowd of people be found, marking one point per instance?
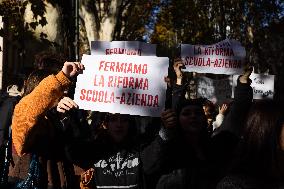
(194, 144)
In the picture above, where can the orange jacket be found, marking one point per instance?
(33, 106)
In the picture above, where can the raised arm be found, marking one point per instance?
(220, 117)
(41, 99)
(243, 95)
(179, 86)
(156, 155)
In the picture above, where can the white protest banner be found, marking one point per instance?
(122, 84)
(135, 48)
(225, 57)
(217, 91)
(262, 85)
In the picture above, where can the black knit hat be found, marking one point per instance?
(190, 102)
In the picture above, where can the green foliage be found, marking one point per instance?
(210, 21)
(134, 19)
(38, 9)
(13, 11)
(177, 21)
(16, 30)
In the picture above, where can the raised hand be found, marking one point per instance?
(72, 69)
(223, 109)
(178, 64)
(66, 104)
(169, 119)
(167, 80)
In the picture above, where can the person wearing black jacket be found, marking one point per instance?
(259, 162)
(6, 113)
(114, 157)
(200, 160)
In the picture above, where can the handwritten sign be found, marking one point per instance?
(225, 57)
(262, 85)
(217, 91)
(122, 84)
(134, 48)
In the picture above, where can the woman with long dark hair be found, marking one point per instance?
(260, 159)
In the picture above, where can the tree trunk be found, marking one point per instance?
(52, 30)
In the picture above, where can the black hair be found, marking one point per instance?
(34, 79)
(101, 129)
(132, 130)
(261, 138)
(49, 60)
(199, 102)
(187, 102)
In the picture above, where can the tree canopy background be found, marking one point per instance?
(36, 25)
